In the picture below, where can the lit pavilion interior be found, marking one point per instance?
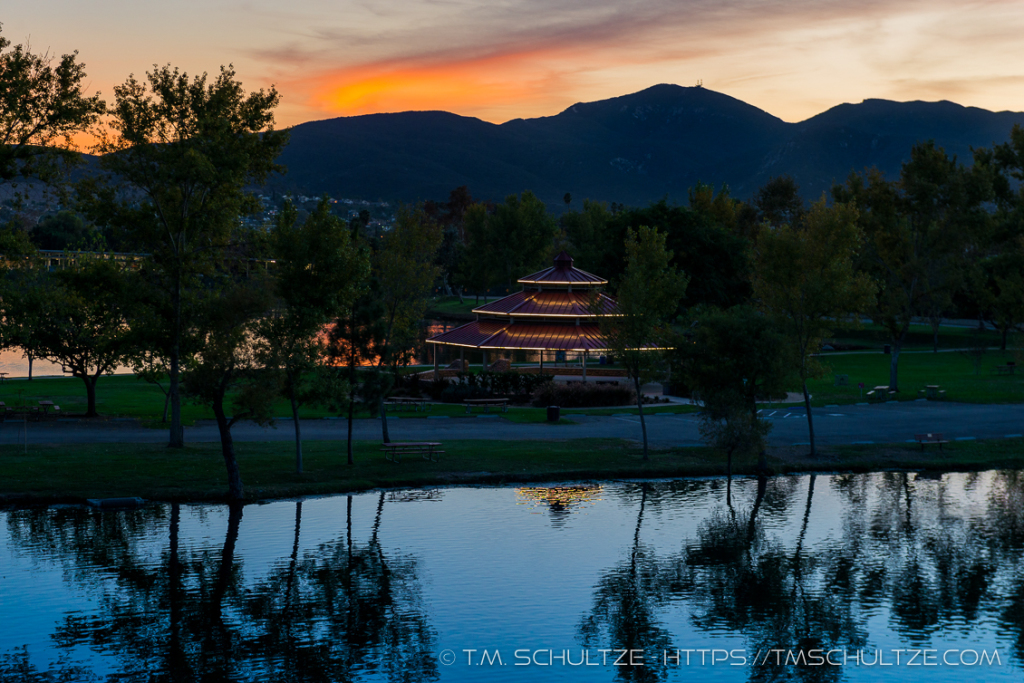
(552, 313)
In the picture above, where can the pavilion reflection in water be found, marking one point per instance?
(559, 500)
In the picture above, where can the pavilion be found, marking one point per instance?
(553, 312)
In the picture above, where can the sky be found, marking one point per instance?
(503, 59)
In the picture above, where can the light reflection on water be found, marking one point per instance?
(377, 586)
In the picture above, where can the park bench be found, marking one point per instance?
(486, 403)
(429, 450)
(842, 380)
(399, 402)
(930, 438)
(1005, 369)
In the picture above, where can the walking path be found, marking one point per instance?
(884, 423)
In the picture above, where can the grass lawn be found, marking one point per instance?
(918, 338)
(451, 305)
(127, 396)
(950, 370)
(73, 473)
(197, 472)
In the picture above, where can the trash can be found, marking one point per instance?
(553, 413)
(887, 349)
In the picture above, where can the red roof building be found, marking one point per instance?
(557, 310)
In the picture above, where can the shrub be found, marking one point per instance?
(583, 395)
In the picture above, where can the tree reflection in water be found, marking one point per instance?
(338, 611)
(625, 601)
(797, 563)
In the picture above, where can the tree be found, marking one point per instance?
(181, 155)
(319, 273)
(42, 108)
(404, 273)
(715, 258)
(517, 237)
(648, 295)
(732, 359)
(918, 236)
(586, 235)
(77, 317)
(351, 345)
(229, 364)
(778, 201)
(63, 230)
(805, 279)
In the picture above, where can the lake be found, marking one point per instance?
(826, 577)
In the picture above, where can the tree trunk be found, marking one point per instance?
(1006, 331)
(384, 422)
(177, 435)
(640, 407)
(29, 356)
(227, 448)
(167, 401)
(897, 345)
(351, 416)
(935, 334)
(298, 433)
(90, 395)
(810, 419)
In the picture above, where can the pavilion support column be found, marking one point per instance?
(462, 359)
(436, 376)
(584, 365)
(485, 359)
(541, 362)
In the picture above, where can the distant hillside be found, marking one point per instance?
(631, 149)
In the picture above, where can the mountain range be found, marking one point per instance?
(632, 149)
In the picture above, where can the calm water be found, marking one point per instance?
(556, 581)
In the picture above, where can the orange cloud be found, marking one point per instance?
(476, 86)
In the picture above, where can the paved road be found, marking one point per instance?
(886, 423)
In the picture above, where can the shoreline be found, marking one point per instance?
(71, 474)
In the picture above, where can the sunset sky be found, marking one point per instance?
(505, 59)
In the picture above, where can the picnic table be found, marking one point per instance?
(394, 450)
(406, 402)
(46, 405)
(486, 403)
(1005, 369)
(930, 438)
(932, 392)
(881, 393)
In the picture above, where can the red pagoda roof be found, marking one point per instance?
(548, 303)
(562, 273)
(497, 334)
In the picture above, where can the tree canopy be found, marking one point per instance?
(42, 108)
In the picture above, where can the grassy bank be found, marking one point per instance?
(74, 473)
(128, 396)
(954, 372)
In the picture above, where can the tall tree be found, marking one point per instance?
(519, 237)
(42, 107)
(351, 348)
(319, 273)
(918, 231)
(731, 360)
(404, 273)
(182, 153)
(804, 277)
(648, 296)
(227, 369)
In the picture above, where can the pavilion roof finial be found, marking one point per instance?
(563, 260)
